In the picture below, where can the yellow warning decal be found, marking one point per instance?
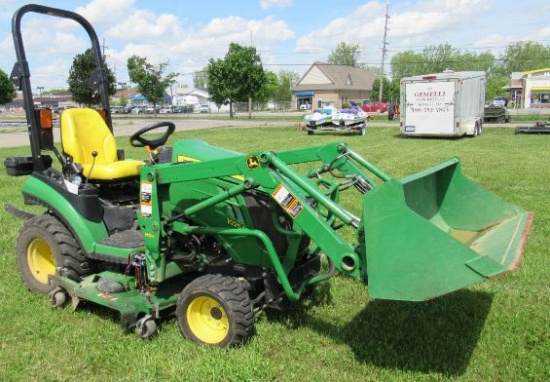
(146, 199)
(288, 201)
(183, 158)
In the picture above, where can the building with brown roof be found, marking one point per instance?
(336, 84)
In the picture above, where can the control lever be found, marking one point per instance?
(94, 155)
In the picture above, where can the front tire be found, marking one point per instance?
(45, 246)
(215, 310)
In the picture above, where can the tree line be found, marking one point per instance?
(517, 57)
(240, 76)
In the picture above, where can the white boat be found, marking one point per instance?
(350, 117)
(321, 116)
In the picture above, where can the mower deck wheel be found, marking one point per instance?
(57, 297)
(146, 327)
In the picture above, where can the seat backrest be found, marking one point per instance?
(84, 131)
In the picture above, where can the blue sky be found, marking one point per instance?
(289, 34)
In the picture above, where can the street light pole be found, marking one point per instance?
(384, 50)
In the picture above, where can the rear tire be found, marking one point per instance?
(215, 310)
(45, 246)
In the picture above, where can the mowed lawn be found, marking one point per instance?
(495, 331)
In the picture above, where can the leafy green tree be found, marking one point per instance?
(237, 77)
(390, 91)
(437, 58)
(55, 91)
(122, 100)
(484, 61)
(407, 63)
(200, 79)
(7, 90)
(286, 79)
(494, 87)
(79, 76)
(345, 54)
(151, 81)
(525, 55)
(269, 88)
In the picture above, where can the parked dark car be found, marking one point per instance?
(183, 109)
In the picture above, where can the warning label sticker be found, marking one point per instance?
(287, 201)
(146, 199)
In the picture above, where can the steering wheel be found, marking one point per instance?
(136, 140)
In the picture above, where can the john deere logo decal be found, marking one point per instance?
(252, 162)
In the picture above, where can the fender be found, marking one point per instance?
(80, 213)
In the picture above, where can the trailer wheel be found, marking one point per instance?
(476, 130)
(215, 310)
(45, 246)
(310, 132)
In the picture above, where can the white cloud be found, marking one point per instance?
(410, 25)
(266, 4)
(52, 75)
(162, 38)
(362, 26)
(145, 26)
(106, 13)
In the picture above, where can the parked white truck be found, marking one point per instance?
(447, 104)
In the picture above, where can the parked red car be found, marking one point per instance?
(374, 107)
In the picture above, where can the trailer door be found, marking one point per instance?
(430, 108)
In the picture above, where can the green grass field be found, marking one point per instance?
(496, 331)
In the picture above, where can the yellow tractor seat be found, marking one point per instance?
(83, 132)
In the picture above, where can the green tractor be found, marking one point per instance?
(212, 235)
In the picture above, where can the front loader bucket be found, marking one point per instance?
(437, 231)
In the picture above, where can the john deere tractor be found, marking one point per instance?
(212, 235)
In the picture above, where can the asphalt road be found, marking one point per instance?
(15, 135)
(13, 130)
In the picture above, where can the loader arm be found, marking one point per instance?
(394, 262)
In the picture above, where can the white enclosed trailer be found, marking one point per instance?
(447, 104)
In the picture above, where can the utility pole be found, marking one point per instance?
(384, 50)
(250, 98)
(103, 47)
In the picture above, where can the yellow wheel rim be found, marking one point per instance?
(207, 320)
(40, 260)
